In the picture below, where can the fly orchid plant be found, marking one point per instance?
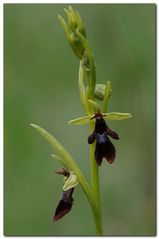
(95, 115)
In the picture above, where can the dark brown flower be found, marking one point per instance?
(104, 147)
(66, 200)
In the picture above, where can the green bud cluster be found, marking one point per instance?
(76, 36)
(72, 27)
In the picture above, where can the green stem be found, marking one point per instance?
(93, 164)
(95, 180)
(94, 169)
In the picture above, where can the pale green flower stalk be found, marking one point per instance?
(89, 92)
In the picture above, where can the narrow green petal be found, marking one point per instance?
(81, 120)
(117, 116)
(71, 182)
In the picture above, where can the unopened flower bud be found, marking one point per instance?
(73, 25)
(100, 91)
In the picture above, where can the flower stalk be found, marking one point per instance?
(84, 100)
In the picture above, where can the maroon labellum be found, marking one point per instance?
(64, 205)
(104, 147)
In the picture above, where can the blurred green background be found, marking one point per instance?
(40, 85)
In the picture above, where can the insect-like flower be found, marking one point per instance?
(104, 147)
(66, 200)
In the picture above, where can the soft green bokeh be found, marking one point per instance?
(41, 87)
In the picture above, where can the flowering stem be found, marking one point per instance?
(95, 182)
(93, 164)
(94, 167)
(77, 39)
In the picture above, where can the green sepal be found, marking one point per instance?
(81, 120)
(116, 116)
(93, 106)
(70, 182)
